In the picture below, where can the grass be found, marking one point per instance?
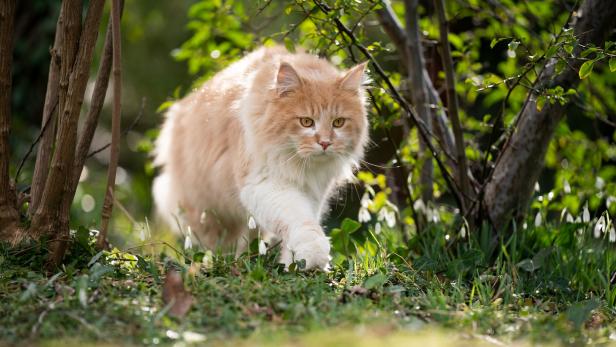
(543, 285)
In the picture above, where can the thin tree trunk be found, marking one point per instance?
(452, 105)
(419, 94)
(9, 216)
(115, 123)
(45, 147)
(51, 217)
(509, 188)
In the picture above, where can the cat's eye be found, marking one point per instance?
(338, 122)
(306, 122)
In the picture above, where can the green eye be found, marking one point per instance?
(338, 122)
(306, 122)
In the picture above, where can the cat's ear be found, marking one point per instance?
(354, 78)
(287, 79)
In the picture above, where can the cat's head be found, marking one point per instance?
(318, 112)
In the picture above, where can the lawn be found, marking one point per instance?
(544, 285)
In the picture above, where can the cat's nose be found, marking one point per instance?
(325, 144)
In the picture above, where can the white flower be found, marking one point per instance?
(525, 226)
(612, 234)
(550, 196)
(262, 247)
(599, 227)
(563, 213)
(537, 188)
(463, 231)
(569, 218)
(390, 219)
(377, 228)
(586, 214)
(142, 234)
(188, 240)
(202, 218)
(382, 214)
(365, 200)
(538, 219)
(364, 215)
(419, 205)
(566, 187)
(252, 225)
(599, 183)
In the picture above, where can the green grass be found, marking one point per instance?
(548, 285)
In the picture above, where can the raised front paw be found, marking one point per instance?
(314, 252)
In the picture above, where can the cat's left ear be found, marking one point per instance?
(354, 78)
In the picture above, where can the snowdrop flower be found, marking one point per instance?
(382, 214)
(563, 213)
(525, 226)
(550, 196)
(202, 217)
(569, 218)
(586, 214)
(390, 219)
(599, 227)
(566, 187)
(262, 247)
(538, 219)
(599, 183)
(612, 234)
(252, 225)
(364, 215)
(419, 205)
(188, 240)
(463, 231)
(377, 228)
(537, 188)
(365, 200)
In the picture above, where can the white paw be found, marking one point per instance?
(314, 252)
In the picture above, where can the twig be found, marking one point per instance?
(452, 104)
(49, 120)
(115, 123)
(124, 132)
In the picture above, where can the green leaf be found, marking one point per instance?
(350, 226)
(375, 281)
(612, 64)
(288, 43)
(495, 41)
(586, 69)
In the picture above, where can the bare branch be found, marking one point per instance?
(9, 217)
(115, 122)
(452, 105)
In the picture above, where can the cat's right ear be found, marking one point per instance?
(287, 80)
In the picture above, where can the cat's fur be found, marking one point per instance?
(236, 149)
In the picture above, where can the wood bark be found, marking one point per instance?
(68, 21)
(452, 106)
(509, 189)
(51, 217)
(416, 87)
(115, 123)
(9, 216)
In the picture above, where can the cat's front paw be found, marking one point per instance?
(314, 252)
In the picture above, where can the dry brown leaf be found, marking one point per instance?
(176, 295)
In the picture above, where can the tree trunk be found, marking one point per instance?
(519, 164)
(9, 215)
(416, 87)
(51, 217)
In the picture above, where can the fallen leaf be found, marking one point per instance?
(176, 295)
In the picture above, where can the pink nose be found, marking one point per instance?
(325, 144)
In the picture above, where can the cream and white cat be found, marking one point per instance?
(270, 137)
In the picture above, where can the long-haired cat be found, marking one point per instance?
(270, 137)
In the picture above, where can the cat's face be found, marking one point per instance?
(317, 118)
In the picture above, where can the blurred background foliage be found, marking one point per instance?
(170, 47)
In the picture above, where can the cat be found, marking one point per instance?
(266, 140)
